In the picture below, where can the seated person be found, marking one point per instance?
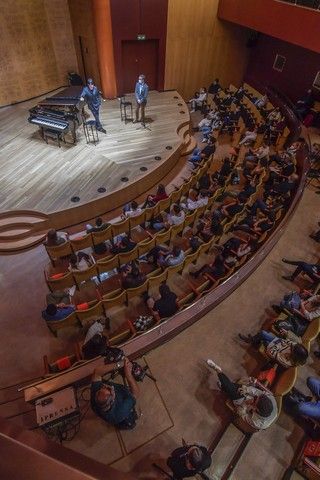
(304, 105)
(188, 460)
(209, 149)
(125, 244)
(192, 202)
(203, 227)
(250, 136)
(80, 261)
(57, 312)
(274, 115)
(131, 210)
(286, 186)
(176, 215)
(95, 343)
(94, 347)
(253, 404)
(112, 402)
(152, 200)
(100, 225)
(166, 220)
(203, 198)
(263, 224)
(311, 270)
(165, 305)
(205, 122)
(261, 102)
(246, 224)
(215, 87)
(195, 157)
(217, 268)
(232, 208)
(226, 167)
(58, 297)
(131, 276)
(168, 258)
(204, 183)
(308, 406)
(55, 238)
(198, 99)
(285, 352)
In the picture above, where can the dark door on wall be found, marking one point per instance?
(139, 57)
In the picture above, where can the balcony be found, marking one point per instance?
(286, 20)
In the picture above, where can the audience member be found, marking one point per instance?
(254, 404)
(166, 305)
(198, 99)
(308, 406)
(188, 460)
(131, 276)
(55, 238)
(123, 245)
(132, 209)
(215, 87)
(310, 269)
(286, 352)
(57, 312)
(152, 200)
(98, 248)
(250, 136)
(80, 261)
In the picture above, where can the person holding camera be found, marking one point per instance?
(112, 402)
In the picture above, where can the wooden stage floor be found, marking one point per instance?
(41, 177)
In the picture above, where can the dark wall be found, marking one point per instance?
(299, 71)
(133, 17)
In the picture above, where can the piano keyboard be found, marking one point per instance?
(44, 122)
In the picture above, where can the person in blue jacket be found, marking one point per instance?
(141, 93)
(92, 96)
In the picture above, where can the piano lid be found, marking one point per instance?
(68, 96)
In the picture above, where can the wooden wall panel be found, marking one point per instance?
(59, 22)
(34, 55)
(200, 47)
(83, 26)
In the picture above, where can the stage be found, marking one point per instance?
(38, 177)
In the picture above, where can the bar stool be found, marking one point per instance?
(90, 131)
(125, 110)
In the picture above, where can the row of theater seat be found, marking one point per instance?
(196, 289)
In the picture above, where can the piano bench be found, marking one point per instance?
(50, 133)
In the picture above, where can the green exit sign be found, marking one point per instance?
(141, 36)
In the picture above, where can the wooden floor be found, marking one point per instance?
(43, 177)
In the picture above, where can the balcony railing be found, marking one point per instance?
(313, 4)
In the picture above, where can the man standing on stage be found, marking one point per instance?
(141, 93)
(92, 96)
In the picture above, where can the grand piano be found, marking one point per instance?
(58, 115)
